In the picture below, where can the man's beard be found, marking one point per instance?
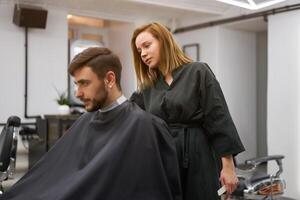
(98, 103)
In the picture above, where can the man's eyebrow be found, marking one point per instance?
(81, 81)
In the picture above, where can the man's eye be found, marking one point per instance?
(85, 83)
(82, 83)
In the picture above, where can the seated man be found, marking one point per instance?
(115, 151)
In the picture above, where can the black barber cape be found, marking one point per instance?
(122, 154)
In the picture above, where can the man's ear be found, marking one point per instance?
(110, 79)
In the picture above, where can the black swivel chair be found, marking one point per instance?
(8, 149)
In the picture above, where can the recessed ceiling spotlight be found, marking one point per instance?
(250, 4)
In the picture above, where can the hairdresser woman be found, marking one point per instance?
(188, 97)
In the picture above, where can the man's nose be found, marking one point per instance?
(78, 93)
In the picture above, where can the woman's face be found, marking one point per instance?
(148, 48)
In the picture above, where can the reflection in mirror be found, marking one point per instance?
(83, 32)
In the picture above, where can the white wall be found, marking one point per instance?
(232, 56)
(207, 40)
(119, 36)
(47, 64)
(236, 72)
(284, 95)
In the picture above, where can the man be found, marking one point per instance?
(115, 151)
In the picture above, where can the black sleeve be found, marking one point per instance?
(137, 97)
(218, 123)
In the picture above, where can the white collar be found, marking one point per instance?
(113, 105)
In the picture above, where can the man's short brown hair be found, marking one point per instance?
(100, 60)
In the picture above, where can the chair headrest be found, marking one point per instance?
(13, 121)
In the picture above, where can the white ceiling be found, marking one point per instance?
(187, 11)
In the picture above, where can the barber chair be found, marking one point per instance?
(8, 149)
(254, 183)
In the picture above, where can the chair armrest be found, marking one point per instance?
(258, 161)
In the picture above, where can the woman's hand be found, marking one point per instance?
(228, 176)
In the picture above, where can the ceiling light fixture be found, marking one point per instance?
(250, 4)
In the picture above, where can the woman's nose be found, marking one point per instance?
(143, 53)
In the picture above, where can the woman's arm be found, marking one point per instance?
(228, 176)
